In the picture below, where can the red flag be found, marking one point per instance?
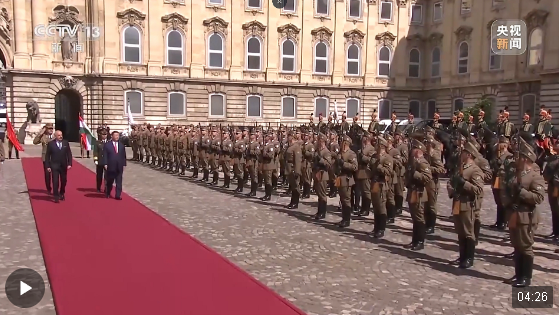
(12, 135)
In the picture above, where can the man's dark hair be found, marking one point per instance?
(112, 133)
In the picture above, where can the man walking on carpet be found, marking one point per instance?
(114, 161)
(58, 160)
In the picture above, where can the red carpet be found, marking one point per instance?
(105, 256)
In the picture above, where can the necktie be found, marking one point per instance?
(116, 148)
(59, 145)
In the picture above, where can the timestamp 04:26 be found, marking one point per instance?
(532, 297)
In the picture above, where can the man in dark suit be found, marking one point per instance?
(58, 160)
(114, 161)
(98, 158)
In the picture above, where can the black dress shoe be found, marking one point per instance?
(418, 246)
(509, 256)
(56, 200)
(118, 198)
(378, 234)
(293, 206)
(49, 192)
(62, 197)
(430, 230)
(98, 190)
(107, 196)
(343, 223)
(266, 198)
(319, 216)
(390, 220)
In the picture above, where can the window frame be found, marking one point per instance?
(328, 9)
(358, 105)
(183, 104)
(389, 62)
(327, 58)
(382, 2)
(141, 101)
(210, 51)
(248, 54)
(221, 3)
(441, 5)
(523, 107)
(454, 104)
(436, 62)
(427, 108)
(294, 107)
(259, 7)
(316, 114)
(540, 50)
(420, 112)
(294, 57)
(411, 22)
(360, 15)
(139, 45)
(358, 60)
(492, 54)
(418, 63)
(181, 49)
(467, 58)
(283, 10)
(260, 103)
(379, 102)
(224, 105)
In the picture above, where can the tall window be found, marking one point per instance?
(463, 57)
(437, 11)
(466, 7)
(321, 58)
(385, 10)
(219, 2)
(217, 106)
(215, 51)
(176, 104)
(254, 106)
(436, 62)
(321, 106)
(535, 47)
(384, 109)
(132, 43)
(322, 7)
(494, 59)
(288, 56)
(254, 54)
(175, 48)
(528, 105)
(289, 6)
(254, 4)
(354, 8)
(416, 14)
(458, 104)
(288, 104)
(352, 107)
(415, 108)
(384, 56)
(353, 60)
(136, 100)
(414, 63)
(431, 108)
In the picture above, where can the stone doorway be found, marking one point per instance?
(67, 109)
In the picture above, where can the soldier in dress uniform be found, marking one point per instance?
(152, 143)
(225, 157)
(381, 169)
(330, 124)
(322, 162)
(551, 176)
(344, 125)
(239, 151)
(268, 164)
(252, 158)
(506, 128)
(195, 146)
(293, 169)
(436, 117)
(527, 192)
(543, 133)
(526, 125)
(11, 146)
(397, 166)
(393, 125)
(308, 155)
(321, 126)
(277, 152)
(434, 157)
(161, 147)
(346, 164)
(465, 188)
(203, 154)
(43, 138)
(470, 126)
(134, 137)
(373, 125)
(97, 158)
(498, 166)
(363, 176)
(213, 155)
(143, 144)
(334, 148)
(417, 177)
(399, 176)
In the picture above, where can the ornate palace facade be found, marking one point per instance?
(179, 61)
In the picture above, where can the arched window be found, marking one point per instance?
(414, 63)
(254, 106)
(215, 51)
(132, 43)
(436, 62)
(134, 99)
(535, 48)
(352, 107)
(463, 57)
(254, 54)
(288, 56)
(458, 104)
(384, 57)
(494, 59)
(384, 109)
(176, 104)
(288, 107)
(217, 106)
(431, 108)
(528, 105)
(321, 106)
(175, 48)
(321, 58)
(353, 60)
(415, 108)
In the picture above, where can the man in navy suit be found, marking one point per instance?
(58, 160)
(114, 161)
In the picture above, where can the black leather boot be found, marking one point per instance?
(517, 269)
(391, 213)
(215, 179)
(260, 180)
(240, 185)
(333, 190)
(306, 191)
(267, 193)
(226, 182)
(253, 188)
(206, 175)
(381, 227)
(527, 268)
(274, 182)
(399, 204)
(461, 252)
(346, 217)
(413, 237)
(430, 219)
(365, 208)
(321, 213)
(477, 228)
(468, 262)
(295, 195)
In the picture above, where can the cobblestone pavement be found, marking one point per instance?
(325, 270)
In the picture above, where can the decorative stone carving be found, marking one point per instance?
(68, 82)
(402, 3)
(385, 39)
(67, 47)
(463, 33)
(33, 113)
(175, 3)
(175, 21)
(436, 39)
(415, 38)
(536, 18)
(254, 28)
(131, 17)
(373, 1)
(289, 31)
(354, 36)
(65, 14)
(216, 25)
(322, 34)
(5, 25)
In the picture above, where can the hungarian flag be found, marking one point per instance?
(12, 135)
(87, 138)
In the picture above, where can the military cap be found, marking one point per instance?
(322, 136)
(420, 136)
(245, 128)
(347, 139)
(201, 128)
(470, 148)
(382, 142)
(416, 144)
(254, 132)
(291, 133)
(526, 150)
(503, 139)
(49, 125)
(388, 137)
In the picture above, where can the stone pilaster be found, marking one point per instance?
(21, 57)
(41, 46)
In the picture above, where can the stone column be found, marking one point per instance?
(21, 57)
(41, 46)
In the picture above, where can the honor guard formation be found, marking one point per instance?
(375, 169)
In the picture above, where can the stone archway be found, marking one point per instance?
(67, 109)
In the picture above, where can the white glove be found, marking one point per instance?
(96, 163)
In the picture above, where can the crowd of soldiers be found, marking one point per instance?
(374, 170)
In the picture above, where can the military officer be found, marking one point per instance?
(308, 155)
(334, 148)
(417, 177)
(373, 125)
(97, 158)
(239, 151)
(152, 140)
(144, 138)
(436, 123)
(346, 165)
(195, 146)
(434, 157)
(526, 125)
(397, 166)
(505, 128)
(551, 176)
(252, 157)
(498, 167)
(268, 165)
(293, 169)
(322, 162)
(203, 154)
(363, 175)
(465, 188)
(527, 191)
(225, 157)
(43, 138)
(382, 171)
(213, 155)
(399, 176)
